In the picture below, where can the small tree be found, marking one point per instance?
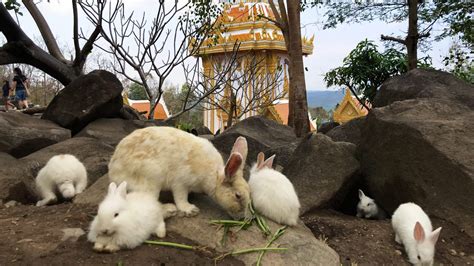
(460, 63)
(136, 92)
(184, 26)
(175, 98)
(365, 69)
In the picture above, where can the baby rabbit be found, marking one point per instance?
(63, 173)
(153, 159)
(127, 220)
(367, 208)
(272, 193)
(413, 229)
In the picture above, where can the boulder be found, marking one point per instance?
(303, 247)
(87, 98)
(203, 131)
(94, 154)
(22, 134)
(130, 113)
(325, 127)
(283, 153)
(112, 130)
(322, 171)
(420, 150)
(208, 137)
(262, 134)
(348, 132)
(425, 83)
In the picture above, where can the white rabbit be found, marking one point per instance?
(127, 220)
(272, 193)
(367, 208)
(153, 159)
(413, 229)
(63, 173)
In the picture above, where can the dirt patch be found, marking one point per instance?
(360, 241)
(32, 236)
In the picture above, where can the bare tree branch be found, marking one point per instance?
(391, 38)
(45, 31)
(75, 29)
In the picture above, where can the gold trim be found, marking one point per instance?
(250, 45)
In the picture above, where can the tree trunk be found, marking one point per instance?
(298, 106)
(412, 37)
(233, 109)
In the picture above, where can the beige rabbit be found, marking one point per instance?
(153, 159)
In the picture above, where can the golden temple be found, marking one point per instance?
(259, 39)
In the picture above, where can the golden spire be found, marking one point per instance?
(286, 84)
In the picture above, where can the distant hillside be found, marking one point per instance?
(326, 99)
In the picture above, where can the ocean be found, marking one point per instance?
(326, 99)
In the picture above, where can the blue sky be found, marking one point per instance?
(330, 46)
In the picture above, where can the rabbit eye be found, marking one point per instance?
(116, 214)
(419, 258)
(237, 195)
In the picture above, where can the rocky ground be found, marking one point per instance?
(33, 236)
(370, 242)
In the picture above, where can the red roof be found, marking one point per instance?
(145, 107)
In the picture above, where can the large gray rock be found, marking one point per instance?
(130, 113)
(203, 130)
(322, 171)
(425, 83)
(262, 134)
(112, 130)
(90, 97)
(303, 247)
(22, 134)
(283, 153)
(422, 151)
(94, 154)
(348, 132)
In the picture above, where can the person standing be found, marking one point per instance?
(6, 94)
(21, 89)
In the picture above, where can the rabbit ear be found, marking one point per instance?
(361, 194)
(269, 162)
(122, 189)
(232, 166)
(260, 159)
(112, 188)
(418, 232)
(240, 146)
(434, 235)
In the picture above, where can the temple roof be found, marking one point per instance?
(247, 23)
(161, 111)
(349, 108)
